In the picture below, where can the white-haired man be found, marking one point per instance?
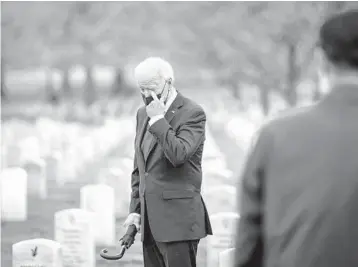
(166, 181)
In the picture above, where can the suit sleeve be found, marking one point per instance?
(134, 206)
(249, 243)
(179, 146)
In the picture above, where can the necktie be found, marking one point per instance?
(147, 140)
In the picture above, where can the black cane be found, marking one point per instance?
(131, 232)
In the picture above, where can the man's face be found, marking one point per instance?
(158, 90)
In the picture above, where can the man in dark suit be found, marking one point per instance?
(299, 190)
(166, 203)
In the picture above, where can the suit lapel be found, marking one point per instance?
(169, 115)
(141, 135)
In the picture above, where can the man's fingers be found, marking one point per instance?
(154, 96)
(162, 100)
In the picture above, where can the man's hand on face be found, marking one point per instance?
(156, 107)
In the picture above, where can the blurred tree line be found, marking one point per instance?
(269, 44)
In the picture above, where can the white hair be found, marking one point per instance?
(151, 72)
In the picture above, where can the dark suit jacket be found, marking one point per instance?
(169, 180)
(299, 192)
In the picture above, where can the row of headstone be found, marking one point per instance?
(78, 231)
(218, 192)
(73, 244)
(75, 240)
(36, 171)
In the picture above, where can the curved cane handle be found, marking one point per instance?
(104, 254)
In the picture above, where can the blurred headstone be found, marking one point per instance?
(77, 80)
(36, 181)
(37, 253)
(104, 77)
(13, 155)
(250, 96)
(30, 148)
(74, 231)
(119, 180)
(68, 166)
(66, 84)
(224, 227)
(220, 199)
(52, 165)
(87, 148)
(118, 83)
(227, 258)
(99, 199)
(305, 93)
(277, 104)
(13, 194)
(53, 94)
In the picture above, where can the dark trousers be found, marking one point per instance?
(168, 254)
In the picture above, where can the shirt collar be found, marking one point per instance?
(170, 100)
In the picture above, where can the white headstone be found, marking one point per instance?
(68, 167)
(99, 199)
(37, 253)
(52, 165)
(224, 228)
(227, 258)
(88, 149)
(74, 231)
(30, 148)
(36, 181)
(13, 194)
(220, 199)
(13, 155)
(120, 182)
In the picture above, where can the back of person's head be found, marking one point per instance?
(338, 39)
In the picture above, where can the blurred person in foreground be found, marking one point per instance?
(299, 193)
(166, 203)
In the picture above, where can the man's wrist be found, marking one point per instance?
(133, 219)
(155, 119)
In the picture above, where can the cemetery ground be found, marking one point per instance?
(40, 222)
